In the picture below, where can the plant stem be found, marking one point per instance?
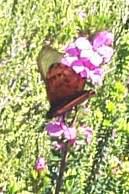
(62, 169)
(64, 157)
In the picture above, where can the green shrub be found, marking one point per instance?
(102, 166)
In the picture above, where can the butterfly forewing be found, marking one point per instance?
(47, 56)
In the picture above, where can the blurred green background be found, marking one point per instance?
(99, 168)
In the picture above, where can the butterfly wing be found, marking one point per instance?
(62, 83)
(47, 56)
(64, 89)
(65, 106)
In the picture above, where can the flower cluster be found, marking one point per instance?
(59, 129)
(86, 57)
(40, 164)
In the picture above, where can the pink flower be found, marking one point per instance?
(40, 164)
(70, 133)
(78, 66)
(92, 56)
(106, 52)
(96, 76)
(86, 59)
(78, 69)
(85, 73)
(82, 43)
(87, 63)
(88, 134)
(73, 51)
(58, 128)
(83, 62)
(78, 62)
(87, 70)
(103, 38)
(68, 60)
(54, 129)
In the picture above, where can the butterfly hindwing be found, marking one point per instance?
(68, 105)
(62, 83)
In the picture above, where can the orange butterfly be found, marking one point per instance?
(65, 88)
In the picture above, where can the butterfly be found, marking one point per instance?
(65, 88)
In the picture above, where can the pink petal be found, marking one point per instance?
(103, 38)
(92, 56)
(40, 164)
(82, 43)
(78, 62)
(67, 60)
(85, 73)
(54, 129)
(73, 51)
(96, 77)
(70, 133)
(96, 59)
(78, 69)
(98, 71)
(106, 52)
(86, 53)
(88, 64)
